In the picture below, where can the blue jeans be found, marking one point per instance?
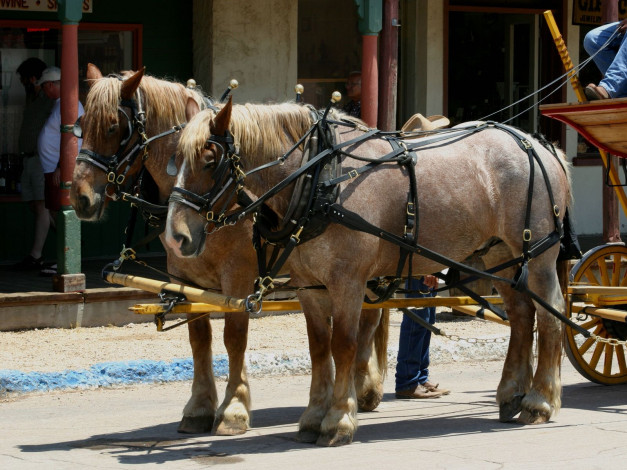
(611, 61)
(412, 366)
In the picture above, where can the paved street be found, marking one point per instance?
(136, 426)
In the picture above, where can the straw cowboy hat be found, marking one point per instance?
(420, 123)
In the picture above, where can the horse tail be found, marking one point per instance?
(381, 336)
(570, 245)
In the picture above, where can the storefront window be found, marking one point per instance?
(111, 47)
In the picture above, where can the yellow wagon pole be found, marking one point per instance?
(294, 305)
(217, 301)
(203, 302)
(581, 97)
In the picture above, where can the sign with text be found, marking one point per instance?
(589, 11)
(39, 5)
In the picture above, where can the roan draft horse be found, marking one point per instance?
(473, 187)
(110, 136)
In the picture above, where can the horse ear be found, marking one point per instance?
(191, 109)
(93, 74)
(130, 85)
(223, 119)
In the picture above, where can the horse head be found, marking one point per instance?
(207, 169)
(111, 129)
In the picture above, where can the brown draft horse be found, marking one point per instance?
(105, 125)
(472, 192)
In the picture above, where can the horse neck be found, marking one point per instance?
(267, 132)
(161, 150)
(259, 183)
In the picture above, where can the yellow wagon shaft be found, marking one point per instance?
(205, 302)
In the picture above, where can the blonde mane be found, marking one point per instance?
(164, 103)
(262, 132)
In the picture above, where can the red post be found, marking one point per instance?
(69, 106)
(388, 78)
(369, 80)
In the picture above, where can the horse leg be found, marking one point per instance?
(544, 398)
(199, 412)
(518, 367)
(371, 362)
(319, 327)
(233, 416)
(340, 423)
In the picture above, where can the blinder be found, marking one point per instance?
(77, 130)
(227, 172)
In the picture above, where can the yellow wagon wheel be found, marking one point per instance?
(599, 362)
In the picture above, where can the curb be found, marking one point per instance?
(112, 374)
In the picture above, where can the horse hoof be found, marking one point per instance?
(307, 436)
(230, 429)
(334, 441)
(508, 410)
(533, 417)
(195, 425)
(370, 401)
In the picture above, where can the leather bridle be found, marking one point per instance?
(117, 166)
(227, 174)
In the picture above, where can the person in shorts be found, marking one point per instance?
(36, 110)
(49, 144)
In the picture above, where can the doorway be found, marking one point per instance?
(493, 63)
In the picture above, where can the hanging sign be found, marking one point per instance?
(589, 11)
(39, 5)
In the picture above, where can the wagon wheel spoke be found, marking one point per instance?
(596, 355)
(592, 278)
(616, 268)
(609, 355)
(602, 264)
(590, 341)
(589, 324)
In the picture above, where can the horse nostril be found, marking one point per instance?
(84, 203)
(180, 240)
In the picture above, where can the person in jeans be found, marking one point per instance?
(611, 61)
(412, 365)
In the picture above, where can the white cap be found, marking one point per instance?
(50, 74)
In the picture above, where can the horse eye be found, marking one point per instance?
(209, 164)
(113, 128)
